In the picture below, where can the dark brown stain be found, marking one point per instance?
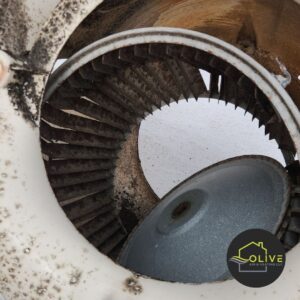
(261, 28)
(247, 37)
(22, 89)
(14, 23)
(133, 286)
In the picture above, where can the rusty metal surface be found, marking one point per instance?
(264, 29)
(131, 189)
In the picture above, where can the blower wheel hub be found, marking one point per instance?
(185, 236)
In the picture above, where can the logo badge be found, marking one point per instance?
(256, 258)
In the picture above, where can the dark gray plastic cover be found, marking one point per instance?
(186, 236)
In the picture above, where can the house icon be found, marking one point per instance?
(255, 253)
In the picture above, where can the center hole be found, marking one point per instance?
(181, 209)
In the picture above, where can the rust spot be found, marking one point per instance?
(7, 163)
(60, 266)
(132, 285)
(75, 277)
(18, 205)
(57, 289)
(41, 290)
(4, 213)
(27, 250)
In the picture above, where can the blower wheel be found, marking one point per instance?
(90, 113)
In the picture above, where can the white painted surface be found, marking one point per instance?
(38, 223)
(38, 11)
(182, 139)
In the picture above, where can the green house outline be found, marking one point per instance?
(258, 244)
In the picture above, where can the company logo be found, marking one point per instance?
(256, 258)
